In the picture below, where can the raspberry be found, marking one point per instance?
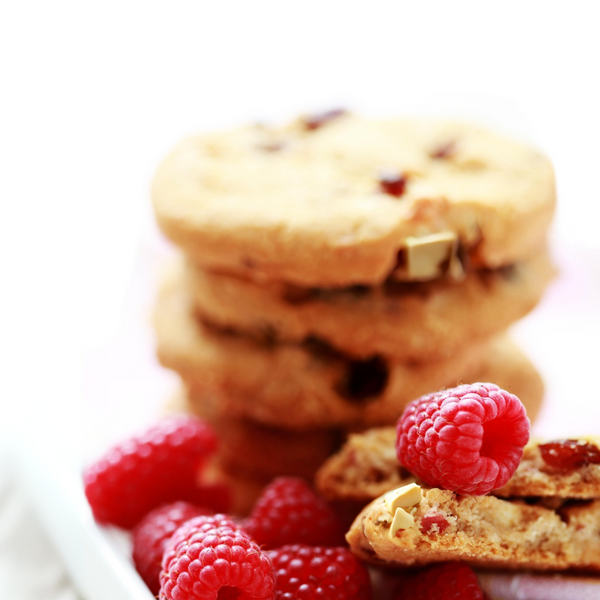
(444, 581)
(158, 466)
(306, 572)
(209, 558)
(152, 533)
(468, 439)
(289, 512)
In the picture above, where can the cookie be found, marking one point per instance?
(305, 386)
(557, 468)
(405, 320)
(354, 201)
(245, 488)
(484, 531)
(367, 467)
(261, 451)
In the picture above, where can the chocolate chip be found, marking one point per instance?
(320, 348)
(352, 292)
(423, 289)
(294, 294)
(317, 120)
(392, 183)
(363, 379)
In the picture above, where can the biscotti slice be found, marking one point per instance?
(484, 531)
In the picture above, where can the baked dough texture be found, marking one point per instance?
(404, 320)
(304, 386)
(306, 206)
(485, 531)
(545, 518)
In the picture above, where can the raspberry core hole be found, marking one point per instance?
(229, 593)
(497, 439)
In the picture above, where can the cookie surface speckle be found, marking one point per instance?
(313, 213)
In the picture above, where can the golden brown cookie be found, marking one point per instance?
(561, 468)
(406, 320)
(485, 531)
(367, 466)
(261, 451)
(245, 488)
(354, 201)
(306, 386)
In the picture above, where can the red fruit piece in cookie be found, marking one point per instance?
(392, 183)
(152, 533)
(317, 120)
(307, 572)
(444, 581)
(158, 466)
(468, 439)
(210, 558)
(289, 512)
(569, 455)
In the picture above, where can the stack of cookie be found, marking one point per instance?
(337, 268)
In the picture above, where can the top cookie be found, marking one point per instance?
(352, 201)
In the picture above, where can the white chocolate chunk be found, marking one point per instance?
(406, 496)
(425, 256)
(402, 520)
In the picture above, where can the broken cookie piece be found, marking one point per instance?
(484, 531)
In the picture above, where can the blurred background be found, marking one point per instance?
(93, 95)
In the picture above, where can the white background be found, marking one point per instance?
(93, 94)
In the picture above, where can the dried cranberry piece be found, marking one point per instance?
(569, 454)
(312, 122)
(392, 183)
(433, 518)
(444, 151)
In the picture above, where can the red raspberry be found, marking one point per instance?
(209, 558)
(444, 581)
(307, 572)
(289, 512)
(152, 533)
(158, 466)
(467, 439)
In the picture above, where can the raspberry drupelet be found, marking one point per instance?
(444, 581)
(289, 512)
(158, 466)
(311, 572)
(467, 439)
(152, 533)
(210, 558)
